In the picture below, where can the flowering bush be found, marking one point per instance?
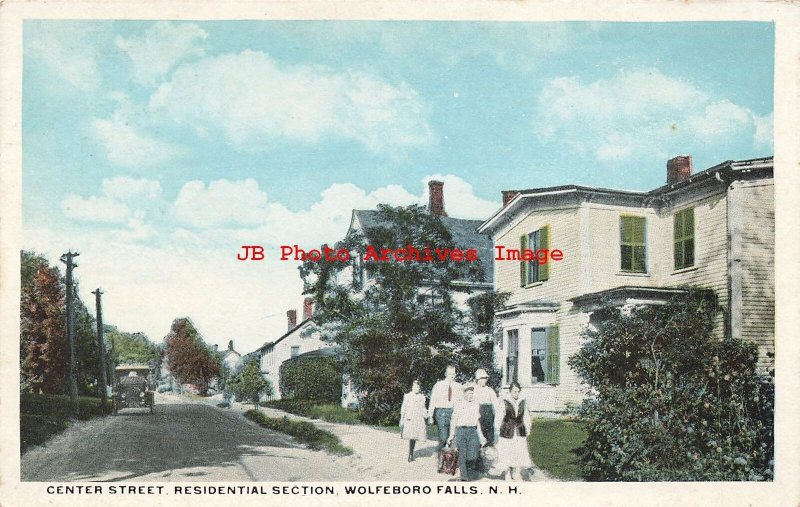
(671, 402)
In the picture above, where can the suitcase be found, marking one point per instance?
(448, 457)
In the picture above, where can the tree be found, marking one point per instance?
(406, 325)
(248, 385)
(190, 360)
(43, 328)
(131, 347)
(670, 401)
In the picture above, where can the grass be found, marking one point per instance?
(44, 415)
(329, 412)
(551, 444)
(305, 432)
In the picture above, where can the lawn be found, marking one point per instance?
(45, 415)
(303, 431)
(551, 444)
(333, 413)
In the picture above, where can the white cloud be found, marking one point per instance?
(124, 200)
(637, 114)
(222, 203)
(127, 188)
(253, 100)
(95, 209)
(127, 147)
(69, 50)
(764, 132)
(161, 47)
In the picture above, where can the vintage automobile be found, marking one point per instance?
(133, 387)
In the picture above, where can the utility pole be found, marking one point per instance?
(67, 259)
(102, 347)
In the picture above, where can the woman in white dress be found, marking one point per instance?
(515, 426)
(412, 418)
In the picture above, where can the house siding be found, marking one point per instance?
(273, 357)
(752, 259)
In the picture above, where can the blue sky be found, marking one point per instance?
(158, 148)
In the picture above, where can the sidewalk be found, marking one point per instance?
(382, 454)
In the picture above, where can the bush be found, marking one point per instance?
(224, 404)
(325, 412)
(45, 415)
(670, 401)
(312, 378)
(303, 431)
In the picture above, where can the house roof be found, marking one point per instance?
(724, 172)
(284, 336)
(464, 234)
(619, 295)
(324, 352)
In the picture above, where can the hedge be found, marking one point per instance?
(317, 378)
(45, 415)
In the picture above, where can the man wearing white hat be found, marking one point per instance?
(487, 400)
(464, 432)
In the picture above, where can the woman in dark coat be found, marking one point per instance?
(515, 426)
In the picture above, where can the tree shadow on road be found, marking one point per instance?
(179, 440)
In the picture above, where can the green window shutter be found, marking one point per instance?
(553, 344)
(544, 244)
(523, 265)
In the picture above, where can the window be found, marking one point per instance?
(633, 250)
(545, 355)
(531, 271)
(295, 350)
(684, 238)
(512, 359)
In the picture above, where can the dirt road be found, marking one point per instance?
(182, 441)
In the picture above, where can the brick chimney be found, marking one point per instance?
(308, 308)
(436, 198)
(291, 317)
(679, 169)
(230, 344)
(508, 195)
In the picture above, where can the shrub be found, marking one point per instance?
(670, 401)
(326, 412)
(224, 404)
(305, 432)
(317, 378)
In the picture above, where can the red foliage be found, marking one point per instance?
(188, 357)
(43, 326)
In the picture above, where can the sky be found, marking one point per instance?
(158, 148)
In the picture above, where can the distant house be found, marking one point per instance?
(714, 230)
(230, 358)
(299, 339)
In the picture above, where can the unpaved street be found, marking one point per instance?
(182, 441)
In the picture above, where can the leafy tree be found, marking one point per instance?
(248, 384)
(406, 325)
(43, 328)
(131, 347)
(670, 401)
(190, 360)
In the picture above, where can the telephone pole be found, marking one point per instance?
(67, 259)
(101, 347)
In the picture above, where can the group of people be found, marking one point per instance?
(471, 416)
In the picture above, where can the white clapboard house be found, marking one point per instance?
(714, 229)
